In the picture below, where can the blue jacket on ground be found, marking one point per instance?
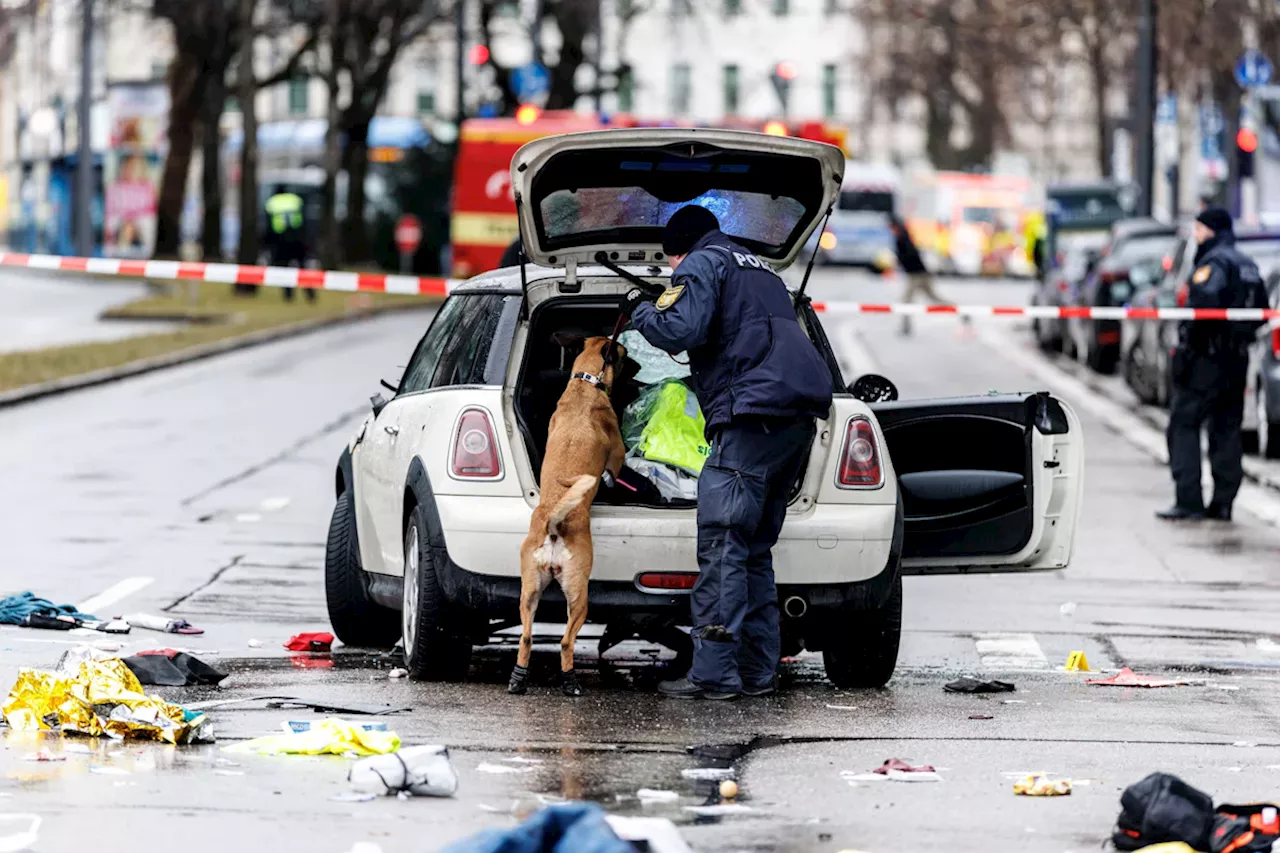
(747, 351)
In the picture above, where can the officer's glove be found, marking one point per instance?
(632, 300)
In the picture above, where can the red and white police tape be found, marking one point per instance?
(435, 286)
(237, 274)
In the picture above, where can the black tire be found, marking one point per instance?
(861, 646)
(1047, 342)
(1268, 432)
(356, 618)
(437, 646)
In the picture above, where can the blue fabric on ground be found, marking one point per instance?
(15, 608)
(570, 828)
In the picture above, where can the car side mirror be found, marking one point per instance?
(379, 403)
(873, 388)
(394, 389)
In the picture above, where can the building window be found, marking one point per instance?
(732, 8)
(626, 90)
(829, 91)
(426, 102)
(781, 7)
(298, 96)
(681, 82)
(731, 90)
(231, 105)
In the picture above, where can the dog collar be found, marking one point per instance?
(591, 380)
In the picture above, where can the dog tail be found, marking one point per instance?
(578, 488)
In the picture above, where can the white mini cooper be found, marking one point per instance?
(435, 491)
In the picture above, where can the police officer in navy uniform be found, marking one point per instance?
(761, 383)
(1209, 369)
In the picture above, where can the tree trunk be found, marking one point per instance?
(249, 247)
(211, 165)
(574, 20)
(329, 250)
(1101, 82)
(186, 89)
(356, 156)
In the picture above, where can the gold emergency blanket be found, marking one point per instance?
(104, 698)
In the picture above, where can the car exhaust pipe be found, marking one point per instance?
(795, 607)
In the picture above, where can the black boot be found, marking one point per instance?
(519, 683)
(1218, 512)
(1177, 513)
(569, 685)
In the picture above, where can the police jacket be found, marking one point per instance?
(1224, 277)
(748, 354)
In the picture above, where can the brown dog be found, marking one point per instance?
(583, 441)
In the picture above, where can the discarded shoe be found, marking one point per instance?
(686, 689)
(1177, 513)
(973, 685)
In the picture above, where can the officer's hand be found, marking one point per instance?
(633, 299)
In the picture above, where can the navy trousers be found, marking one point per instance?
(1210, 394)
(742, 499)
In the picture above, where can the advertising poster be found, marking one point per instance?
(139, 116)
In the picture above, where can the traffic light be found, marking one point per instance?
(479, 54)
(783, 74)
(1246, 146)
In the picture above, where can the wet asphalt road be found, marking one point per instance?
(204, 492)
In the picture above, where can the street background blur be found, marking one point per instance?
(199, 109)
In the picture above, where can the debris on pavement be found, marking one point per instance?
(1077, 662)
(718, 810)
(353, 797)
(1068, 608)
(14, 609)
(69, 663)
(709, 774)
(423, 771)
(973, 685)
(171, 668)
(1042, 785)
(255, 644)
(324, 706)
(499, 769)
(292, 727)
(103, 698)
(651, 795)
(1128, 678)
(44, 755)
(398, 672)
(842, 707)
(163, 624)
(1163, 808)
(331, 737)
(728, 790)
(897, 765)
(981, 717)
(896, 770)
(316, 641)
(556, 829)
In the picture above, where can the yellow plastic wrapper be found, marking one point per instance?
(331, 737)
(1039, 785)
(104, 698)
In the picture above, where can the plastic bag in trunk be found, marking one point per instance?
(665, 424)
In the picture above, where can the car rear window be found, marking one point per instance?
(1142, 248)
(763, 218)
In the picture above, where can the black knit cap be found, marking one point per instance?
(685, 227)
(1215, 219)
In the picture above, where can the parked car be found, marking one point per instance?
(435, 491)
(1135, 243)
(1058, 289)
(1148, 344)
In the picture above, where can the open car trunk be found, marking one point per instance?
(545, 373)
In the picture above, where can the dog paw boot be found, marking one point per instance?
(569, 684)
(519, 683)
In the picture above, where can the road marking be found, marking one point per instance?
(112, 594)
(1010, 651)
(1256, 500)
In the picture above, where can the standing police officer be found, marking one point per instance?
(286, 233)
(1209, 368)
(760, 382)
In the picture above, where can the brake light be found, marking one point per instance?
(475, 451)
(1275, 341)
(1166, 263)
(1113, 276)
(667, 580)
(860, 457)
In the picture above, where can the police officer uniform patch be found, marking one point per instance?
(1202, 274)
(669, 297)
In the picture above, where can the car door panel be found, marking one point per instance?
(370, 463)
(987, 483)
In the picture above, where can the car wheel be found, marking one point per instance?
(356, 618)
(1268, 432)
(861, 646)
(436, 645)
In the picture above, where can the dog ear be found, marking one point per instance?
(568, 340)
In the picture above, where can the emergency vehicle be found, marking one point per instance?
(968, 224)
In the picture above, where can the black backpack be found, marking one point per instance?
(1163, 808)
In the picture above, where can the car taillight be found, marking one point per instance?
(1275, 341)
(667, 580)
(860, 457)
(475, 452)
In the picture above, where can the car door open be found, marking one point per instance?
(987, 483)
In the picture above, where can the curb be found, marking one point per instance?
(28, 393)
